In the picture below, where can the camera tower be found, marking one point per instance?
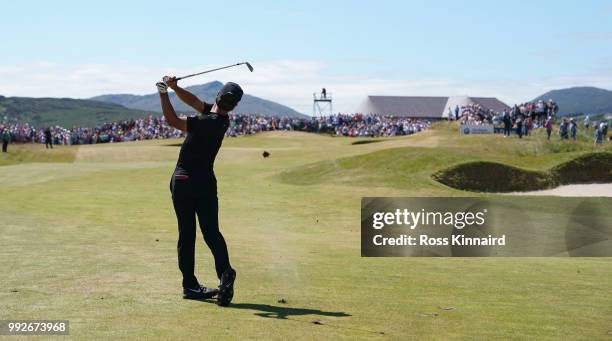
(322, 103)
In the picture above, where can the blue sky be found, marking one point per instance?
(514, 50)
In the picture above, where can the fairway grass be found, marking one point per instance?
(89, 235)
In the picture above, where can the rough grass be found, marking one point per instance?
(481, 176)
(94, 241)
(589, 168)
(30, 153)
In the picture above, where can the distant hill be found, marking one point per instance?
(579, 100)
(63, 111)
(207, 92)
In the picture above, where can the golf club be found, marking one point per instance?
(220, 68)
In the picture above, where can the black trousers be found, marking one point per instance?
(507, 128)
(4, 146)
(190, 199)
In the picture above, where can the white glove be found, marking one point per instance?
(162, 87)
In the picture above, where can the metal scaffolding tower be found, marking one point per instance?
(322, 103)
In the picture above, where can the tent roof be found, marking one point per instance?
(424, 106)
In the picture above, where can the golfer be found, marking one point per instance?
(194, 186)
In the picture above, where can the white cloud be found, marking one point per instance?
(290, 82)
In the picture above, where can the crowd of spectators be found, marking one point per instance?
(357, 125)
(539, 110)
(473, 114)
(127, 130)
(522, 118)
(534, 112)
(525, 117)
(341, 124)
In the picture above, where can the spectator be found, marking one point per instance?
(48, 138)
(6, 137)
(551, 108)
(549, 126)
(540, 108)
(598, 134)
(507, 123)
(528, 126)
(563, 129)
(519, 126)
(573, 129)
(587, 122)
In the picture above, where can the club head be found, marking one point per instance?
(249, 66)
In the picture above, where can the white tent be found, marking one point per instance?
(422, 106)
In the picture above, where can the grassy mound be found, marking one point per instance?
(396, 168)
(29, 153)
(483, 176)
(589, 168)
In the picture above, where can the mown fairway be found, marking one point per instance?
(88, 234)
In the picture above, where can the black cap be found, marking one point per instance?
(229, 96)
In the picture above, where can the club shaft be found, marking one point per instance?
(207, 71)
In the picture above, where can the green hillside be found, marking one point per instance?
(66, 112)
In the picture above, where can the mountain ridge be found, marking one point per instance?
(67, 112)
(580, 100)
(150, 102)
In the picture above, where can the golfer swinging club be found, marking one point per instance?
(194, 186)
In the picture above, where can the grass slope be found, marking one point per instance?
(411, 167)
(30, 153)
(94, 241)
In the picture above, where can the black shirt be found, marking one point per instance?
(205, 134)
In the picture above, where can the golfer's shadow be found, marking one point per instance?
(272, 311)
(279, 312)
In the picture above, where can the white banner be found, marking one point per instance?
(469, 129)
